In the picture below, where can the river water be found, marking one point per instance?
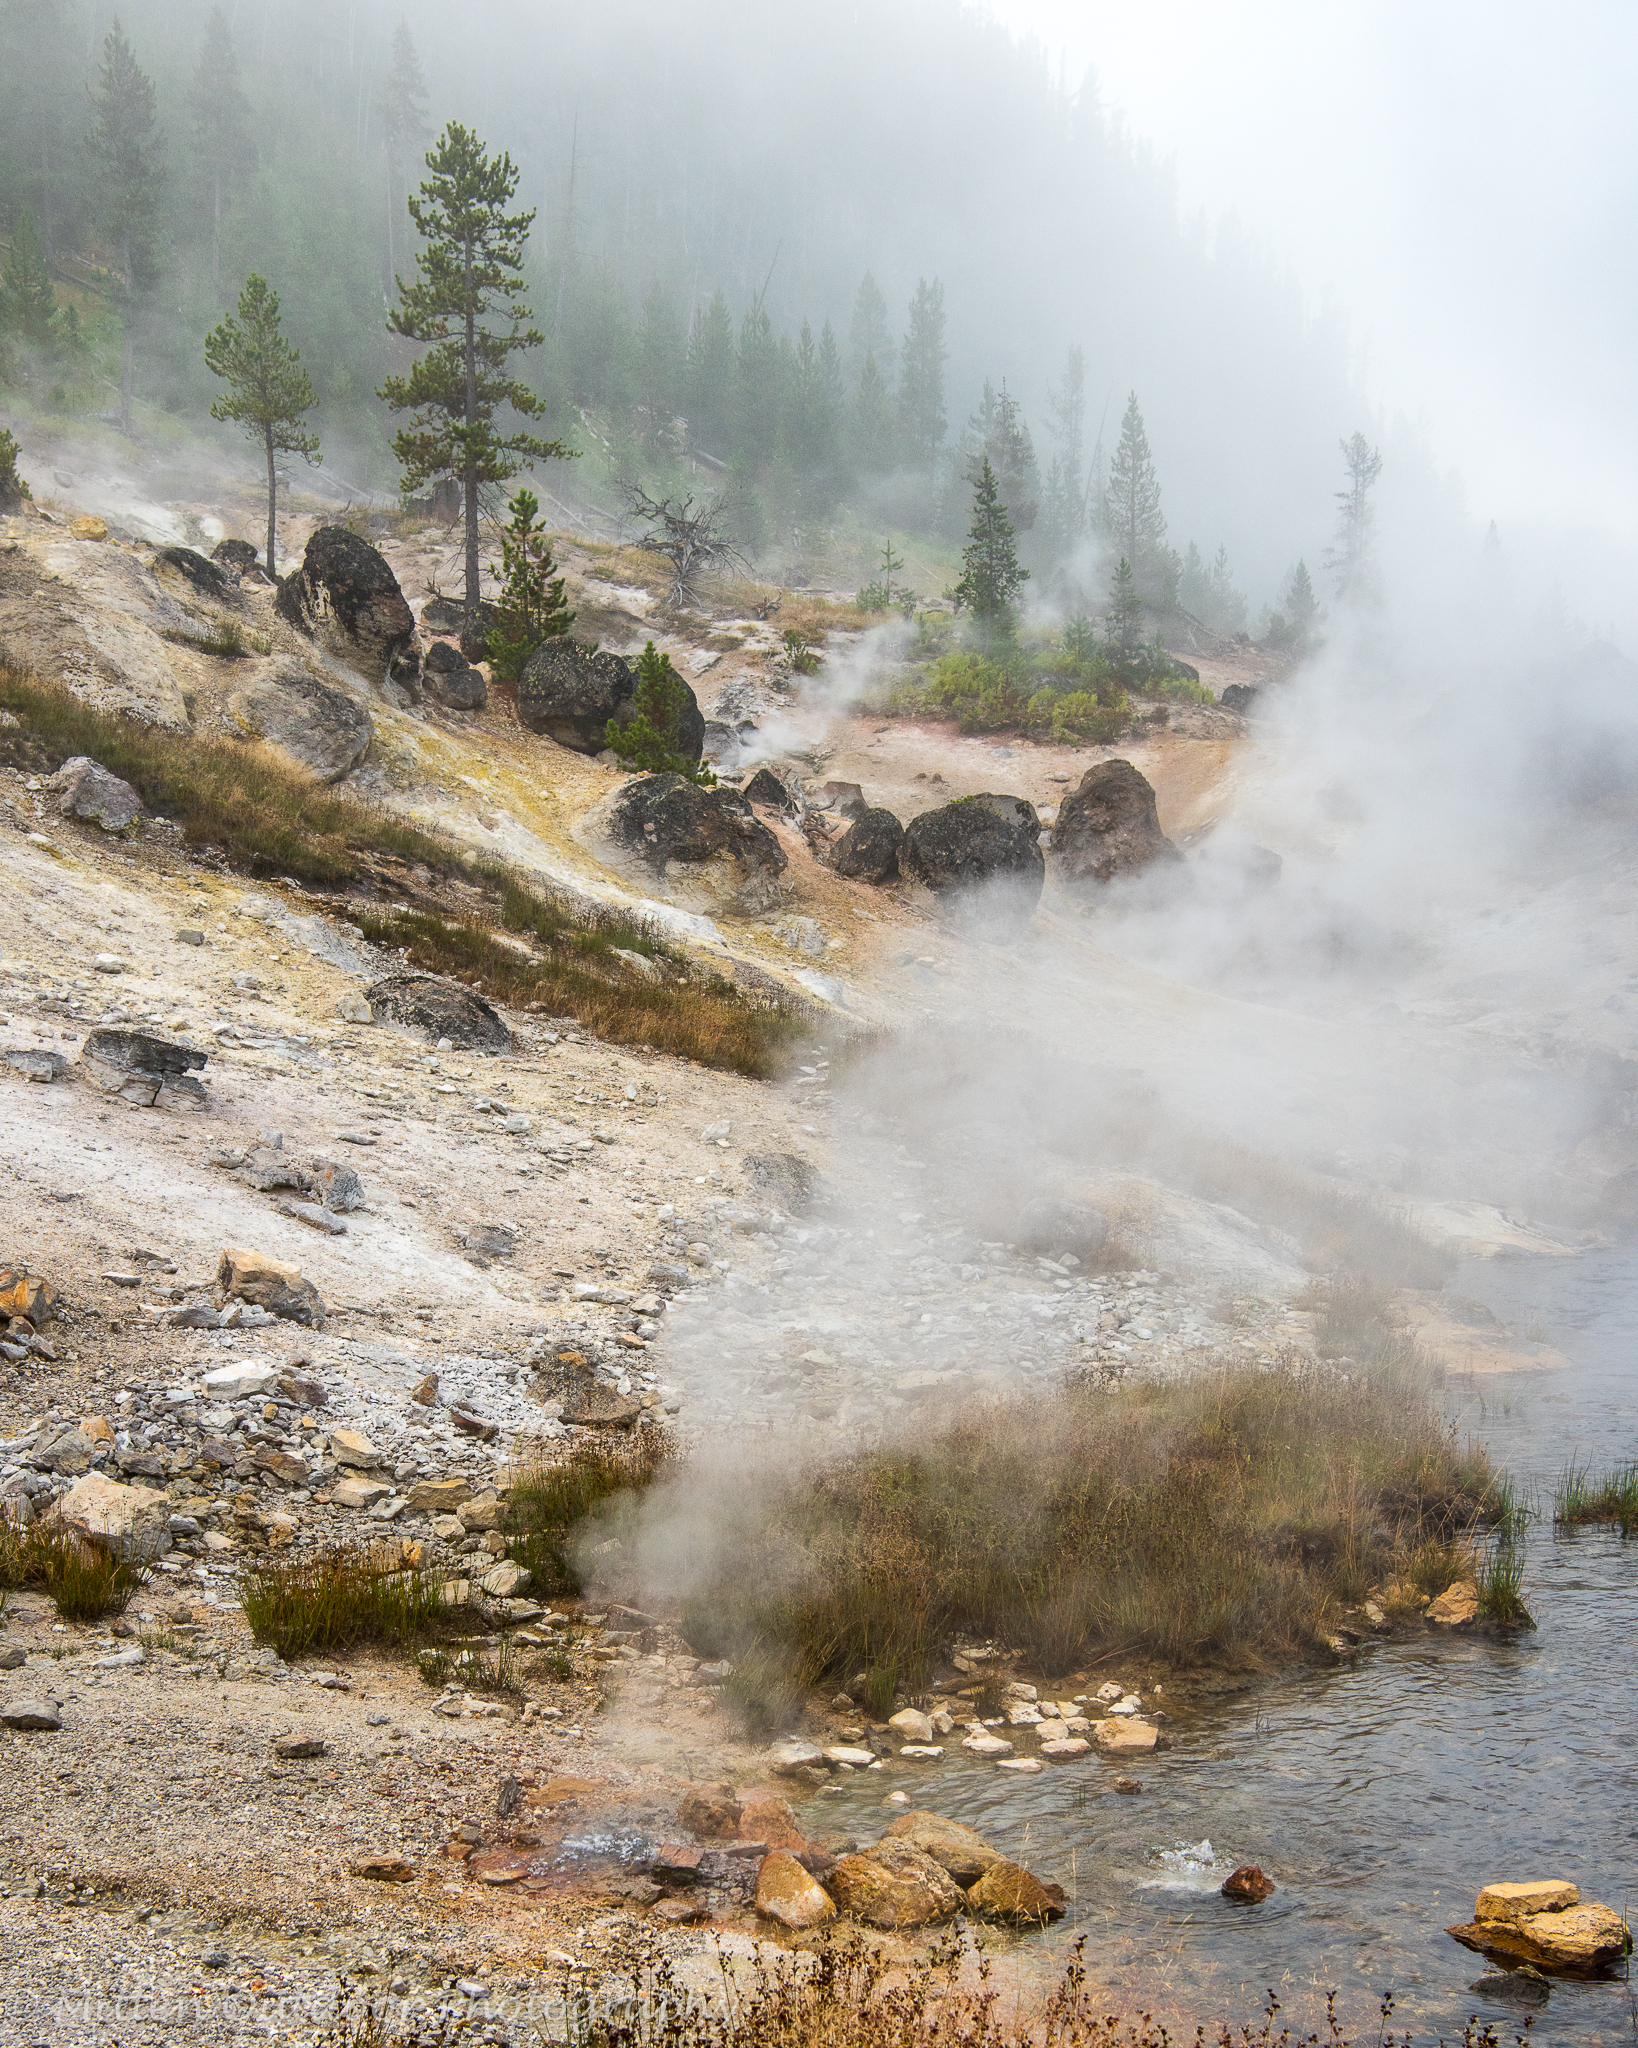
(1382, 1795)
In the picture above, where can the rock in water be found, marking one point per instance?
(85, 789)
(895, 1885)
(267, 1283)
(1009, 1893)
(439, 1009)
(345, 593)
(1109, 826)
(450, 681)
(569, 692)
(1576, 1939)
(1052, 1225)
(1248, 1885)
(981, 852)
(868, 851)
(315, 723)
(785, 1893)
(953, 1846)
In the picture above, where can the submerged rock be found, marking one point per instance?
(1109, 826)
(1012, 1895)
(1247, 1884)
(982, 851)
(315, 723)
(345, 593)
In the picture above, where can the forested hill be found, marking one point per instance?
(777, 157)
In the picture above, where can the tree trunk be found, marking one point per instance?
(471, 466)
(125, 375)
(216, 233)
(272, 509)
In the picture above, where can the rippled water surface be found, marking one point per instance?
(1379, 1797)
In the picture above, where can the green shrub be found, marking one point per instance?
(652, 742)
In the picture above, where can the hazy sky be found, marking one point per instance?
(1463, 177)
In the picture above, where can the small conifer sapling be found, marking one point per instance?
(269, 392)
(652, 742)
(531, 608)
(990, 574)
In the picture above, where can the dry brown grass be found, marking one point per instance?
(636, 568)
(1216, 1521)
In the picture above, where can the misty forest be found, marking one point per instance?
(821, 1188)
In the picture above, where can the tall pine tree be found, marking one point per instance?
(709, 381)
(269, 392)
(870, 421)
(28, 304)
(471, 272)
(221, 128)
(402, 107)
(990, 575)
(1064, 504)
(1352, 561)
(922, 417)
(869, 334)
(129, 150)
(1133, 520)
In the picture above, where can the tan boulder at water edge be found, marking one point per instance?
(894, 1885)
(785, 1893)
(955, 1848)
(1544, 1922)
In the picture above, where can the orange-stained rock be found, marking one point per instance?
(786, 1893)
(1008, 1893)
(895, 1885)
(711, 1810)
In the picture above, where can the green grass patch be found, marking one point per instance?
(84, 1581)
(549, 1506)
(1581, 1499)
(340, 1598)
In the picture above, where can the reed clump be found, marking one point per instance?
(85, 1581)
(549, 1505)
(1218, 1521)
(337, 1599)
(1582, 1500)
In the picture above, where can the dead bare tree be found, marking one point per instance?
(688, 533)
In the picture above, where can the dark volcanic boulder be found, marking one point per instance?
(440, 1009)
(475, 637)
(668, 818)
(344, 592)
(205, 577)
(321, 726)
(868, 851)
(1241, 697)
(1109, 826)
(237, 557)
(449, 679)
(443, 614)
(765, 787)
(569, 692)
(982, 848)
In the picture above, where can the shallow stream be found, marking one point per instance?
(1382, 1795)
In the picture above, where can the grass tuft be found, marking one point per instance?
(1580, 1499)
(547, 1504)
(339, 1599)
(85, 1581)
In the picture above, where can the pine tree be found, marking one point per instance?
(129, 149)
(1299, 604)
(990, 576)
(1133, 520)
(922, 418)
(710, 378)
(221, 127)
(758, 382)
(869, 334)
(1353, 559)
(870, 421)
(28, 303)
(531, 608)
(1006, 444)
(269, 392)
(1065, 496)
(814, 420)
(1124, 614)
(470, 270)
(660, 354)
(402, 107)
(652, 742)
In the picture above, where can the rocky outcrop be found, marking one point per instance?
(982, 851)
(868, 851)
(1109, 826)
(450, 680)
(1547, 1924)
(203, 578)
(711, 1810)
(569, 692)
(1240, 697)
(239, 559)
(85, 789)
(787, 1895)
(438, 1009)
(1053, 1225)
(130, 1519)
(314, 723)
(1011, 1895)
(245, 1275)
(765, 787)
(448, 615)
(135, 1065)
(895, 1885)
(954, 1847)
(669, 820)
(345, 595)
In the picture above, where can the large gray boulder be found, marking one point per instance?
(569, 692)
(1109, 826)
(982, 852)
(449, 680)
(667, 818)
(315, 723)
(85, 789)
(439, 1009)
(345, 594)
